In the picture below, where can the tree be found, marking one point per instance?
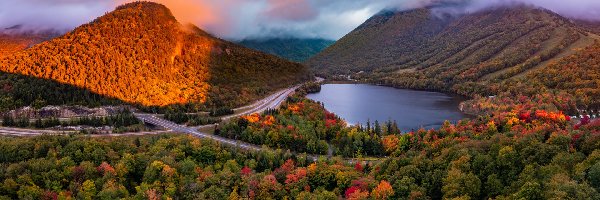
(530, 190)
(377, 128)
(593, 175)
(390, 143)
(30, 192)
(459, 184)
(234, 195)
(382, 191)
(113, 190)
(7, 121)
(88, 190)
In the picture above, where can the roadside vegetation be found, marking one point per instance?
(190, 119)
(171, 167)
(123, 121)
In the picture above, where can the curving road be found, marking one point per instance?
(150, 119)
(271, 102)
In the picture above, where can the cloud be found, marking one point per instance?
(576, 9)
(239, 19)
(579, 9)
(51, 14)
(292, 10)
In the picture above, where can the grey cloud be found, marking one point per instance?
(50, 14)
(239, 19)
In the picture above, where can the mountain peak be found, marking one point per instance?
(140, 54)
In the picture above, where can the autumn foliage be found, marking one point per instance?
(383, 190)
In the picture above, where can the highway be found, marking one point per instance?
(147, 118)
(271, 102)
(21, 132)
(29, 132)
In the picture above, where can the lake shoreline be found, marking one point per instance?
(357, 82)
(358, 102)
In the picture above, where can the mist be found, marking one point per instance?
(240, 19)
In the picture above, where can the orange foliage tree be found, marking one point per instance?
(383, 190)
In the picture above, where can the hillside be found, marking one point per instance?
(140, 54)
(425, 49)
(578, 74)
(294, 49)
(14, 42)
(588, 25)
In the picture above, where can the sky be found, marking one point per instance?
(239, 19)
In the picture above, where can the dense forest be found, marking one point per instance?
(524, 153)
(294, 49)
(171, 167)
(19, 90)
(141, 55)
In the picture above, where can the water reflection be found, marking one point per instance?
(411, 109)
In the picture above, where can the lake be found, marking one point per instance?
(412, 109)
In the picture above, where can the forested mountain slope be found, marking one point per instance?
(578, 74)
(140, 54)
(14, 42)
(294, 49)
(426, 49)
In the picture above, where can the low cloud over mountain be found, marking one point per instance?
(239, 19)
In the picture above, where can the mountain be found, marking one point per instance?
(141, 54)
(14, 42)
(428, 49)
(294, 49)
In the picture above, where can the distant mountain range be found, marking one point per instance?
(466, 54)
(294, 49)
(140, 54)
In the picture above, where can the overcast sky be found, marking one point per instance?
(238, 19)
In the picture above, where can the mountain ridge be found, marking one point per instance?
(294, 49)
(140, 54)
(458, 53)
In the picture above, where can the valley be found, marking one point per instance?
(139, 103)
(471, 54)
(294, 49)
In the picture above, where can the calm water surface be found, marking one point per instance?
(411, 109)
